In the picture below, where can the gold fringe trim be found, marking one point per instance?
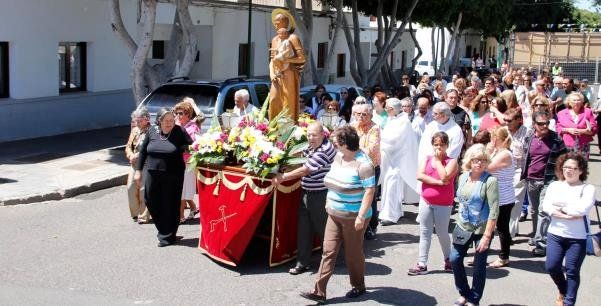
(247, 181)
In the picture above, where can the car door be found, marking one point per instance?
(228, 99)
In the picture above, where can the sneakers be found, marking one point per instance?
(539, 252)
(418, 270)
(447, 265)
(522, 217)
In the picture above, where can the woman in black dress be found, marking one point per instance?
(161, 158)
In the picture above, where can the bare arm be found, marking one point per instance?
(423, 177)
(500, 161)
(294, 174)
(368, 197)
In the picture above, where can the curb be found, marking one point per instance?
(117, 180)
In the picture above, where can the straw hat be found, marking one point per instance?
(286, 13)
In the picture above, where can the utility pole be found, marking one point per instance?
(248, 41)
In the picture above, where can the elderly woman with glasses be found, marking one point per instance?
(568, 201)
(577, 124)
(398, 151)
(140, 119)
(161, 160)
(369, 142)
(478, 196)
(186, 118)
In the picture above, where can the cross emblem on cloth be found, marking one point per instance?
(223, 219)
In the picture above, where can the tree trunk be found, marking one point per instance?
(434, 47)
(323, 78)
(388, 45)
(305, 28)
(442, 50)
(189, 42)
(419, 50)
(144, 46)
(452, 43)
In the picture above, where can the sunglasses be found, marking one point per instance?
(543, 123)
(360, 114)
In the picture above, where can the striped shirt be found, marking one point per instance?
(318, 162)
(347, 184)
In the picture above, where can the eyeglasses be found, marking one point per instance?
(543, 123)
(479, 160)
(570, 168)
(359, 102)
(360, 114)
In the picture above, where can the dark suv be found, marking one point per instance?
(213, 98)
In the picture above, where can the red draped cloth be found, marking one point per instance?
(231, 206)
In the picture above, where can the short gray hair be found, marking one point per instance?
(141, 112)
(242, 93)
(395, 104)
(360, 100)
(443, 108)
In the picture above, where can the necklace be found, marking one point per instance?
(166, 137)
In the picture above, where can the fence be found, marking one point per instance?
(578, 70)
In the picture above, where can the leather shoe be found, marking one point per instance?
(313, 297)
(298, 270)
(386, 223)
(354, 293)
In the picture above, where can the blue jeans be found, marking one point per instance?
(458, 252)
(574, 251)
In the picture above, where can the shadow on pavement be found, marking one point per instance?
(389, 296)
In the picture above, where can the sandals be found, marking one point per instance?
(298, 270)
(499, 263)
(182, 220)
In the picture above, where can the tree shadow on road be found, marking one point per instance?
(389, 296)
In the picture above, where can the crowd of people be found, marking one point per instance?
(488, 149)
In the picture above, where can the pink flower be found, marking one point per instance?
(262, 127)
(224, 137)
(280, 145)
(195, 147)
(264, 157)
(303, 124)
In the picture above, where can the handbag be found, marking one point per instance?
(593, 246)
(461, 236)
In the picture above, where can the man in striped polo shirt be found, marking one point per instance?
(312, 214)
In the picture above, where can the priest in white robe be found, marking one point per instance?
(398, 149)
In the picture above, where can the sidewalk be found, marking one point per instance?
(52, 168)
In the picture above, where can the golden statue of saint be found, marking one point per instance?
(287, 58)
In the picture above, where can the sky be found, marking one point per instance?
(584, 4)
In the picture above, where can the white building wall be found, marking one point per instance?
(34, 29)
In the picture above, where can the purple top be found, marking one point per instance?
(540, 150)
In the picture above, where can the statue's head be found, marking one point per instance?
(281, 18)
(281, 21)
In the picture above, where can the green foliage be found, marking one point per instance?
(588, 18)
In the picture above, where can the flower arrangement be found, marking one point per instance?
(262, 146)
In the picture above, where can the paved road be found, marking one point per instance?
(86, 250)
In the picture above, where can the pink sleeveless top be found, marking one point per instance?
(438, 195)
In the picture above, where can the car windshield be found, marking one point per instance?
(423, 63)
(168, 95)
